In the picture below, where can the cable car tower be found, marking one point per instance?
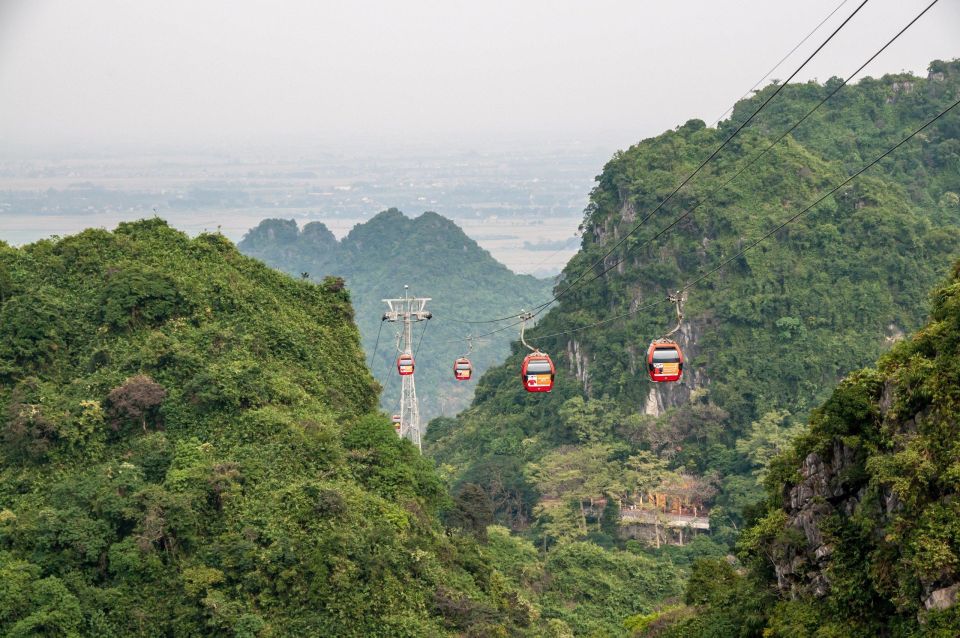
(408, 310)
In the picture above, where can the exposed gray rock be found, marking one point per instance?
(579, 364)
(664, 396)
(886, 398)
(943, 598)
(891, 503)
(822, 491)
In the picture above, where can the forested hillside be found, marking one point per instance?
(766, 339)
(190, 448)
(190, 441)
(860, 532)
(432, 255)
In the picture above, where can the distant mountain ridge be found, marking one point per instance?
(432, 255)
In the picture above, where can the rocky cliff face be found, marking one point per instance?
(579, 364)
(823, 492)
(835, 485)
(870, 506)
(662, 396)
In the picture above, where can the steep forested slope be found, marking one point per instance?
(766, 339)
(431, 254)
(861, 531)
(190, 448)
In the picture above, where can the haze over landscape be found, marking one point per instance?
(671, 346)
(218, 115)
(379, 75)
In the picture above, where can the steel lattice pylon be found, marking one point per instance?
(408, 310)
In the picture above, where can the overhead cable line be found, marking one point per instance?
(417, 349)
(760, 154)
(492, 332)
(375, 345)
(712, 155)
(540, 308)
(606, 321)
(770, 233)
(828, 194)
(782, 60)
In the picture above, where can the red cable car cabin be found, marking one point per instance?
(537, 372)
(462, 369)
(664, 361)
(405, 364)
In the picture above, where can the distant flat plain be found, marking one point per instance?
(524, 206)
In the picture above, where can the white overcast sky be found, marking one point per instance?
(148, 73)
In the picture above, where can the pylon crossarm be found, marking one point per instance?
(405, 311)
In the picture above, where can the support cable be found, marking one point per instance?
(756, 156)
(537, 309)
(523, 327)
(676, 300)
(422, 332)
(777, 65)
(767, 235)
(376, 344)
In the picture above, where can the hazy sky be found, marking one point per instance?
(99, 73)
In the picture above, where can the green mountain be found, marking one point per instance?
(191, 448)
(766, 339)
(191, 444)
(436, 259)
(860, 534)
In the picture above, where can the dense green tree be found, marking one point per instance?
(861, 532)
(472, 511)
(191, 448)
(772, 332)
(769, 436)
(769, 335)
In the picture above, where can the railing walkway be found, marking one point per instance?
(645, 515)
(653, 517)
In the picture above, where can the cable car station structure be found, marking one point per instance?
(407, 310)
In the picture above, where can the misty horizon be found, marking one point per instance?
(115, 77)
(218, 115)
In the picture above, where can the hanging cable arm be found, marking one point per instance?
(677, 300)
(525, 317)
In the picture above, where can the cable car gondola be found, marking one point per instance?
(664, 357)
(462, 369)
(664, 361)
(537, 372)
(405, 364)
